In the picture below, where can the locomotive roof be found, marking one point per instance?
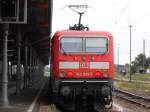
(58, 34)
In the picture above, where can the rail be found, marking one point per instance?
(144, 101)
(133, 81)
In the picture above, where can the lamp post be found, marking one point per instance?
(144, 56)
(130, 51)
(118, 59)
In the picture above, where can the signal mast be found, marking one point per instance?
(79, 26)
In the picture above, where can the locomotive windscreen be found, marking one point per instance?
(84, 45)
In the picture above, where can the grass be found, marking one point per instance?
(138, 77)
(136, 88)
(141, 77)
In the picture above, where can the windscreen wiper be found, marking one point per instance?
(63, 50)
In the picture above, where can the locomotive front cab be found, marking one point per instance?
(82, 67)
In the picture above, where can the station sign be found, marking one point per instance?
(13, 11)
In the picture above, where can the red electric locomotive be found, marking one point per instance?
(82, 68)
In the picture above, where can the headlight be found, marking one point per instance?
(70, 74)
(97, 74)
(62, 74)
(105, 74)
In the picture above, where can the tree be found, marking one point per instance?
(141, 59)
(133, 69)
(139, 64)
(148, 62)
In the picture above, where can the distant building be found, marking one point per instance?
(121, 69)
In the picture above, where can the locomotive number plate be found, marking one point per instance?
(84, 74)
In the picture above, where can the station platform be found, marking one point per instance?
(30, 99)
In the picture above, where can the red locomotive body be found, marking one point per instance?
(82, 68)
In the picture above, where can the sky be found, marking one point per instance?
(114, 16)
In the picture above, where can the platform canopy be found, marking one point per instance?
(36, 26)
(40, 26)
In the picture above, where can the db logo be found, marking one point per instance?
(84, 65)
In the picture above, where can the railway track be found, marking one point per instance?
(140, 100)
